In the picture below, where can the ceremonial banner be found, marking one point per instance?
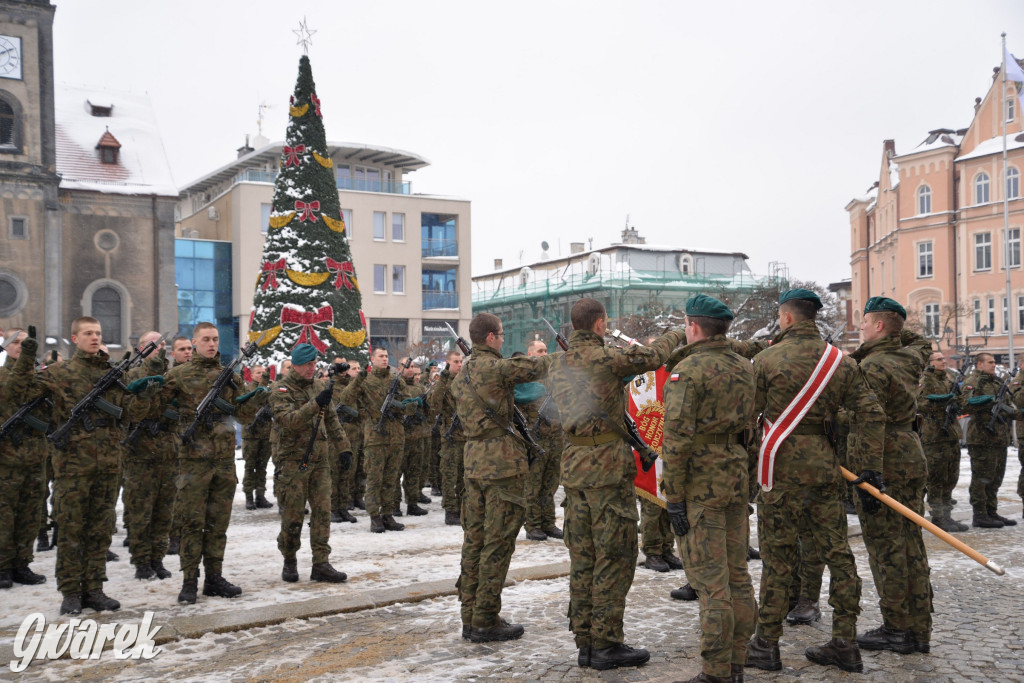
(646, 406)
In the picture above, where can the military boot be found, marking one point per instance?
(922, 642)
(42, 541)
(336, 517)
(805, 612)
(112, 556)
(424, 499)
(377, 524)
(944, 523)
(189, 588)
(397, 512)
(999, 518)
(501, 630)
(323, 571)
(391, 525)
(144, 571)
(707, 678)
(536, 535)
(618, 655)
(672, 561)
(290, 571)
(656, 563)
(452, 518)
(53, 539)
(5, 579)
(985, 521)
(415, 510)
(99, 601)
(736, 673)
(583, 658)
(684, 593)
(753, 554)
(160, 570)
(359, 503)
(839, 651)
(219, 587)
(764, 654)
(27, 577)
(72, 604)
(885, 638)
(127, 541)
(958, 526)
(173, 544)
(250, 504)
(346, 516)
(261, 501)
(554, 532)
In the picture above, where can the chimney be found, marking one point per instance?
(632, 236)
(497, 264)
(575, 247)
(977, 104)
(245, 149)
(890, 148)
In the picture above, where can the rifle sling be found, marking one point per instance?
(493, 415)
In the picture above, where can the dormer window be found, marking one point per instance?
(109, 148)
(100, 109)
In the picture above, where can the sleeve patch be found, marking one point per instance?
(283, 390)
(674, 377)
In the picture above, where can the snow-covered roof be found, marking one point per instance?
(937, 139)
(894, 175)
(993, 146)
(142, 166)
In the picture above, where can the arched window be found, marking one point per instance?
(1012, 183)
(8, 125)
(981, 188)
(106, 307)
(924, 199)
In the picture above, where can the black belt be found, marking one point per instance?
(718, 439)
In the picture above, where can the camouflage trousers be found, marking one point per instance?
(943, 473)
(600, 533)
(343, 481)
(409, 473)
(434, 461)
(45, 512)
(85, 518)
(206, 489)
(382, 464)
(988, 465)
(492, 514)
(256, 453)
(453, 479)
(541, 484)
(811, 522)
(899, 563)
(294, 488)
(655, 530)
(149, 493)
(21, 489)
(714, 554)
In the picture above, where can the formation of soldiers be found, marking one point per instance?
(760, 422)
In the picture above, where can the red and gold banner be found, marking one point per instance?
(646, 405)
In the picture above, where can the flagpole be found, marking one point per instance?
(1006, 222)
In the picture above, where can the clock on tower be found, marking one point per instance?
(10, 57)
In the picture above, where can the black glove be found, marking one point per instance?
(869, 503)
(870, 477)
(31, 331)
(30, 345)
(340, 368)
(345, 460)
(324, 397)
(677, 516)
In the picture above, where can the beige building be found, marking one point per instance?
(411, 252)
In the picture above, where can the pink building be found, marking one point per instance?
(930, 232)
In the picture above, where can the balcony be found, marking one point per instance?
(357, 184)
(433, 300)
(433, 248)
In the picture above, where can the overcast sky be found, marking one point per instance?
(734, 126)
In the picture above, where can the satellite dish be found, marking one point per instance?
(544, 246)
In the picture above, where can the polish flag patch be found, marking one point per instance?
(674, 377)
(283, 390)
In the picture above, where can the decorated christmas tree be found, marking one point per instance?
(307, 290)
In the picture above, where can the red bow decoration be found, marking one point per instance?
(309, 321)
(291, 155)
(342, 269)
(271, 279)
(316, 101)
(306, 210)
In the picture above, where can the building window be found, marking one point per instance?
(379, 273)
(1013, 249)
(437, 235)
(440, 288)
(981, 188)
(398, 279)
(977, 315)
(265, 210)
(1006, 315)
(379, 218)
(346, 215)
(983, 251)
(924, 199)
(1012, 183)
(390, 334)
(8, 125)
(398, 227)
(931, 320)
(13, 294)
(991, 314)
(18, 229)
(106, 307)
(108, 155)
(202, 272)
(1011, 105)
(1020, 313)
(924, 259)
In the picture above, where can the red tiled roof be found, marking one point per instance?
(108, 140)
(78, 163)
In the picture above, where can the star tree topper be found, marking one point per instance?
(305, 36)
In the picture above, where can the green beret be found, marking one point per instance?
(877, 304)
(708, 307)
(805, 294)
(303, 353)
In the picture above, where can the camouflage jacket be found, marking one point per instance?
(805, 460)
(548, 427)
(442, 402)
(419, 426)
(157, 440)
(295, 411)
(251, 430)
(353, 426)
(984, 384)
(587, 382)
(67, 383)
(709, 396)
(933, 412)
(32, 449)
(486, 382)
(366, 394)
(188, 384)
(892, 367)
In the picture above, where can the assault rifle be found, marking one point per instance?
(151, 425)
(1002, 409)
(953, 407)
(449, 435)
(389, 400)
(262, 416)
(22, 415)
(518, 419)
(836, 334)
(94, 399)
(212, 400)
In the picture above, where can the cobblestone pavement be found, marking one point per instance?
(978, 636)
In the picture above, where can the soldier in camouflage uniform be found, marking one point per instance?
(709, 399)
(86, 470)
(181, 352)
(987, 449)
(598, 469)
(343, 480)
(453, 440)
(410, 471)
(299, 402)
(256, 449)
(22, 473)
(493, 504)
(941, 445)
(149, 467)
(804, 502)
(892, 360)
(206, 479)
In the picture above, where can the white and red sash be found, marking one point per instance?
(777, 432)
